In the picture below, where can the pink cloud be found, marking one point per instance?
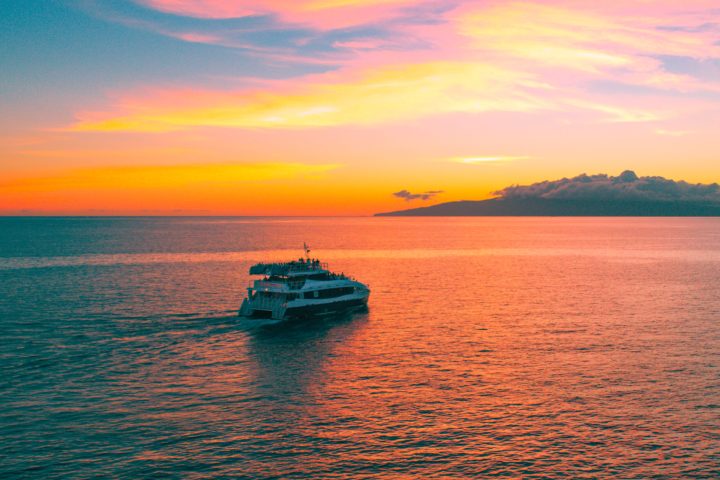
(482, 57)
(360, 44)
(326, 14)
(198, 38)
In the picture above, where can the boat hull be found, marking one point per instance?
(328, 309)
(310, 310)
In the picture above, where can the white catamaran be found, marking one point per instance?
(301, 288)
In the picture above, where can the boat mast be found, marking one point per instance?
(307, 251)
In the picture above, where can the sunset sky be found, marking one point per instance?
(324, 107)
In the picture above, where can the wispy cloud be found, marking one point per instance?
(408, 196)
(321, 13)
(622, 41)
(475, 58)
(366, 97)
(300, 31)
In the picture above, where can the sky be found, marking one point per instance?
(345, 107)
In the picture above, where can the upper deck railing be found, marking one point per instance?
(287, 268)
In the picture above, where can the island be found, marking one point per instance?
(588, 195)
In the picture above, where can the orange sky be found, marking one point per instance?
(327, 107)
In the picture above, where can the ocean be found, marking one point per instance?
(493, 347)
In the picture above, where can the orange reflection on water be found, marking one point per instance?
(581, 348)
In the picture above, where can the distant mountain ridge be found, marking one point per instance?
(596, 195)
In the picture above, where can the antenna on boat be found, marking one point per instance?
(307, 250)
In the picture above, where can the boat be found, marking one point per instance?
(301, 288)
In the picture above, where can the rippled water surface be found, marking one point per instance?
(510, 347)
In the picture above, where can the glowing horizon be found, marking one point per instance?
(332, 106)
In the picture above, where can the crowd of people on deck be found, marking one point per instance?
(311, 262)
(275, 271)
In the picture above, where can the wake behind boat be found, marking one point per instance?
(301, 288)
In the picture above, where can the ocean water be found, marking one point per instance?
(493, 347)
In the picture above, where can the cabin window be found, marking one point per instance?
(330, 292)
(336, 292)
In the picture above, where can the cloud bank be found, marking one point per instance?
(627, 186)
(408, 196)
